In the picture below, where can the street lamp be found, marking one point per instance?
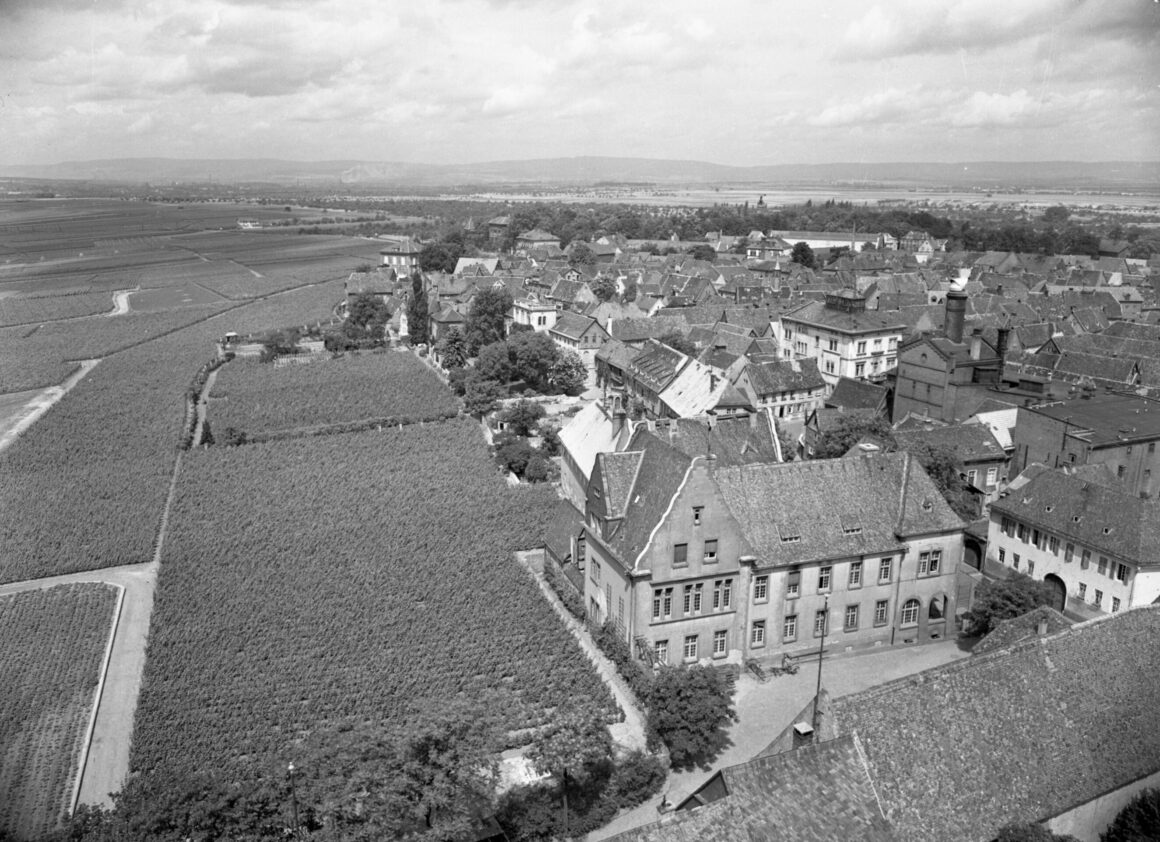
(821, 654)
(290, 773)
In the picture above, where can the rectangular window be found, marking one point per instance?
(859, 369)
(620, 609)
(1007, 526)
(861, 349)
(971, 476)
(697, 515)
(711, 551)
(1098, 599)
(833, 346)
(1015, 560)
(1115, 604)
(1120, 472)
(819, 623)
(757, 633)
(761, 589)
(690, 647)
(824, 578)
(661, 650)
(928, 563)
(687, 605)
(789, 628)
(992, 475)
(1002, 555)
(855, 574)
(1021, 530)
(792, 585)
(881, 612)
(1068, 552)
(1085, 559)
(884, 568)
(1053, 545)
(1082, 591)
(1035, 538)
(680, 555)
(1122, 572)
(851, 617)
(595, 571)
(720, 643)
(698, 593)
(1030, 567)
(668, 603)
(1102, 566)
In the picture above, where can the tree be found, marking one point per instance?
(678, 342)
(689, 709)
(533, 354)
(279, 343)
(1056, 215)
(604, 288)
(848, 430)
(581, 255)
(1139, 821)
(440, 257)
(486, 318)
(703, 251)
(494, 362)
(803, 254)
(1002, 599)
(1030, 832)
(513, 453)
(452, 349)
(522, 417)
(481, 396)
(946, 472)
(575, 742)
(366, 316)
(568, 374)
(417, 310)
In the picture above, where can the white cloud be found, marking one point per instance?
(984, 109)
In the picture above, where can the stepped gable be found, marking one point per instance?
(1027, 732)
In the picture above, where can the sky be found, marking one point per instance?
(463, 81)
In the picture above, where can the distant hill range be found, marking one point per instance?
(601, 170)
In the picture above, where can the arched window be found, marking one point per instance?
(938, 608)
(910, 610)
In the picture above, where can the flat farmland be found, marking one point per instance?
(313, 581)
(257, 397)
(163, 299)
(52, 645)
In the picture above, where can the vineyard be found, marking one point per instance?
(356, 576)
(18, 311)
(258, 398)
(84, 487)
(52, 644)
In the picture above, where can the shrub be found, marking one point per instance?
(1138, 821)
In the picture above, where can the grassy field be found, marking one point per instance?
(52, 644)
(258, 398)
(361, 575)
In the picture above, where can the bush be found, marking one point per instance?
(689, 709)
(569, 596)
(1139, 821)
(1003, 599)
(538, 469)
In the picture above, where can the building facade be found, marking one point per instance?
(843, 337)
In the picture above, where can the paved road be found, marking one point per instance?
(765, 710)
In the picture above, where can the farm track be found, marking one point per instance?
(42, 403)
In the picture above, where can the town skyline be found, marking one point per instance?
(471, 81)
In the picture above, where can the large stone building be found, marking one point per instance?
(843, 337)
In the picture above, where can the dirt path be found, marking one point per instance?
(202, 401)
(40, 404)
(121, 301)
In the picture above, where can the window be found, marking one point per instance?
(1122, 572)
(833, 345)
(1102, 566)
(1120, 472)
(824, 578)
(1098, 599)
(881, 612)
(929, 562)
(697, 515)
(1021, 530)
(792, 583)
(595, 572)
(789, 628)
(757, 633)
(1002, 555)
(1053, 545)
(859, 369)
(884, 567)
(971, 475)
(992, 475)
(661, 651)
(711, 551)
(690, 647)
(1069, 552)
(1015, 560)
(608, 598)
(693, 595)
(861, 349)
(1035, 537)
(722, 593)
(720, 643)
(1115, 604)
(1085, 559)
(829, 366)
(1008, 527)
(855, 574)
(662, 603)
(680, 555)
(1082, 591)
(1030, 567)
(761, 589)
(910, 612)
(851, 618)
(620, 609)
(819, 622)
(938, 608)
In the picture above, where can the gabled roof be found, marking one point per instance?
(537, 235)
(574, 326)
(737, 442)
(857, 394)
(967, 442)
(774, 377)
(694, 390)
(638, 330)
(657, 365)
(817, 313)
(589, 432)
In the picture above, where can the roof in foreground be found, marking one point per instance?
(1020, 734)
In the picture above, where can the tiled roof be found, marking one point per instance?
(657, 365)
(775, 377)
(1019, 628)
(564, 521)
(574, 326)
(695, 390)
(968, 442)
(797, 512)
(589, 432)
(1019, 734)
(638, 330)
(617, 354)
(1134, 330)
(731, 442)
(857, 394)
(819, 793)
(816, 313)
(1088, 513)
(617, 473)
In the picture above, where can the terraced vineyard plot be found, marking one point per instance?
(259, 398)
(16, 310)
(347, 576)
(52, 644)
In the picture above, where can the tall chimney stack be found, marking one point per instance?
(956, 313)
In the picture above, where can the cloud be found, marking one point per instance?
(984, 109)
(889, 106)
(142, 125)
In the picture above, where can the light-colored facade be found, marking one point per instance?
(534, 313)
(844, 339)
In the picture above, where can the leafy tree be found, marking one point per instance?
(481, 396)
(568, 374)
(513, 453)
(581, 255)
(486, 318)
(417, 310)
(604, 288)
(522, 417)
(689, 709)
(848, 430)
(1001, 599)
(279, 343)
(1056, 215)
(1030, 832)
(366, 316)
(538, 469)
(494, 362)
(679, 342)
(575, 743)
(803, 254)
(788, 443)
(946, 472)
(440, 257)
(550, 440)
(1139, 821)
(532, 355)
(457, 379)
(452, 349)
(704, 252)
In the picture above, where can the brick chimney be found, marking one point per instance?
(956, 313)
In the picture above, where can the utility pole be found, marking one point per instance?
(821, 654)
(290, 772)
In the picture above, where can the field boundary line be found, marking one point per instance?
(88, 741)
(163, 527)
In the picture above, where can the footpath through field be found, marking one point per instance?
(629, 734)
(39, 403)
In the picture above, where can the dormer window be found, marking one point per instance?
(1075, 518)
(790, 539)
(1048, 508)
(1107, 530)
(927, 506)
(852, 530)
